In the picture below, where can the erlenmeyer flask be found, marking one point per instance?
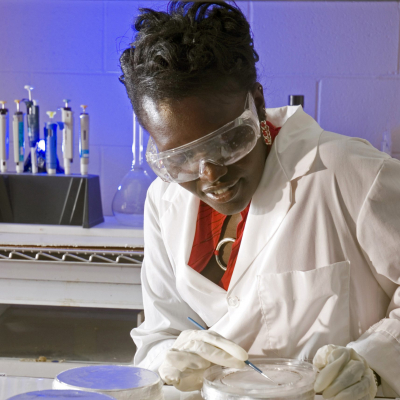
(128, 202)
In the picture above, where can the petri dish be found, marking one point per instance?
(119, 381)
(293, 380)
(60, 395)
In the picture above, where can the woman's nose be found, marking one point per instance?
(211, 172)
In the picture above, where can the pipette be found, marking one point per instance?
(67, 118)
(250, 364)
(84, 141)
(4, 136)
(32, 109)
(19, 139)
(50, 134)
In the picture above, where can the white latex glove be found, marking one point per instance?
(193, 352)
(344, 374)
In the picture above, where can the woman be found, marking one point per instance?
(313, 217)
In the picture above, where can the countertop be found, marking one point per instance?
(110, 233)
(11, 386)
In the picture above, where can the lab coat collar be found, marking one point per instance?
(297, 142)
(291, 157)
(172, 192)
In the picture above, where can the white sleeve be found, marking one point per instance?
(165, 311)
(378, 232)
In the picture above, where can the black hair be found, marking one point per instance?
(193, 49)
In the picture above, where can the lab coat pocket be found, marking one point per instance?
(304, 310)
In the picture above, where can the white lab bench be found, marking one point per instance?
(71, 266)
(11, 386)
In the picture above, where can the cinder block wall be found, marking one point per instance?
(343, 56)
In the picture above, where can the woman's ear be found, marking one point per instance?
(258, 95)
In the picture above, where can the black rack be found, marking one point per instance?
(50, 199)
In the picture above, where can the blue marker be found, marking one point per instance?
(50, 135)
(250, 364)
(32, 110)
(19, 139)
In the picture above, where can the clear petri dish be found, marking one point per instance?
(293, 380)
(60, 395)
(118, 381)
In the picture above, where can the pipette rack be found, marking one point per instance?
(50, 199)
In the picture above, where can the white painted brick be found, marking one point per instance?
(277, 91)
(119, 17)
(361, 107)
(12, 87)
(108, 105)
(326, 38)
(245, 6)
(51, 35)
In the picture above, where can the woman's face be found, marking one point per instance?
(227, 189)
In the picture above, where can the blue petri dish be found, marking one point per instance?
(118, 381)
(61, 395)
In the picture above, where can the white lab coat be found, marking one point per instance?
(319, 261)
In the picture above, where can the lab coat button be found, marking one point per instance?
(233, 301)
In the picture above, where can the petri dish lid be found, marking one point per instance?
(61, 395)
(109, 378)
(291, 378)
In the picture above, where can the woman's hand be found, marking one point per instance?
(193, 352)
(344, 374)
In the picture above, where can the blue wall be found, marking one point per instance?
(343, 56)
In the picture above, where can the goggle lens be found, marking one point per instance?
(235, 141)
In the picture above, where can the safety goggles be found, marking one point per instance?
(225, 146)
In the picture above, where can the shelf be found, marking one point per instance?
(109, 234)
(42, 255)
(71, 266)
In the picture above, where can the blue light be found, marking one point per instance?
(42, 145)
(119, 187)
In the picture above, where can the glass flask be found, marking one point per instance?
(128, 202)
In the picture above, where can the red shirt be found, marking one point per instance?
(208, 231)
